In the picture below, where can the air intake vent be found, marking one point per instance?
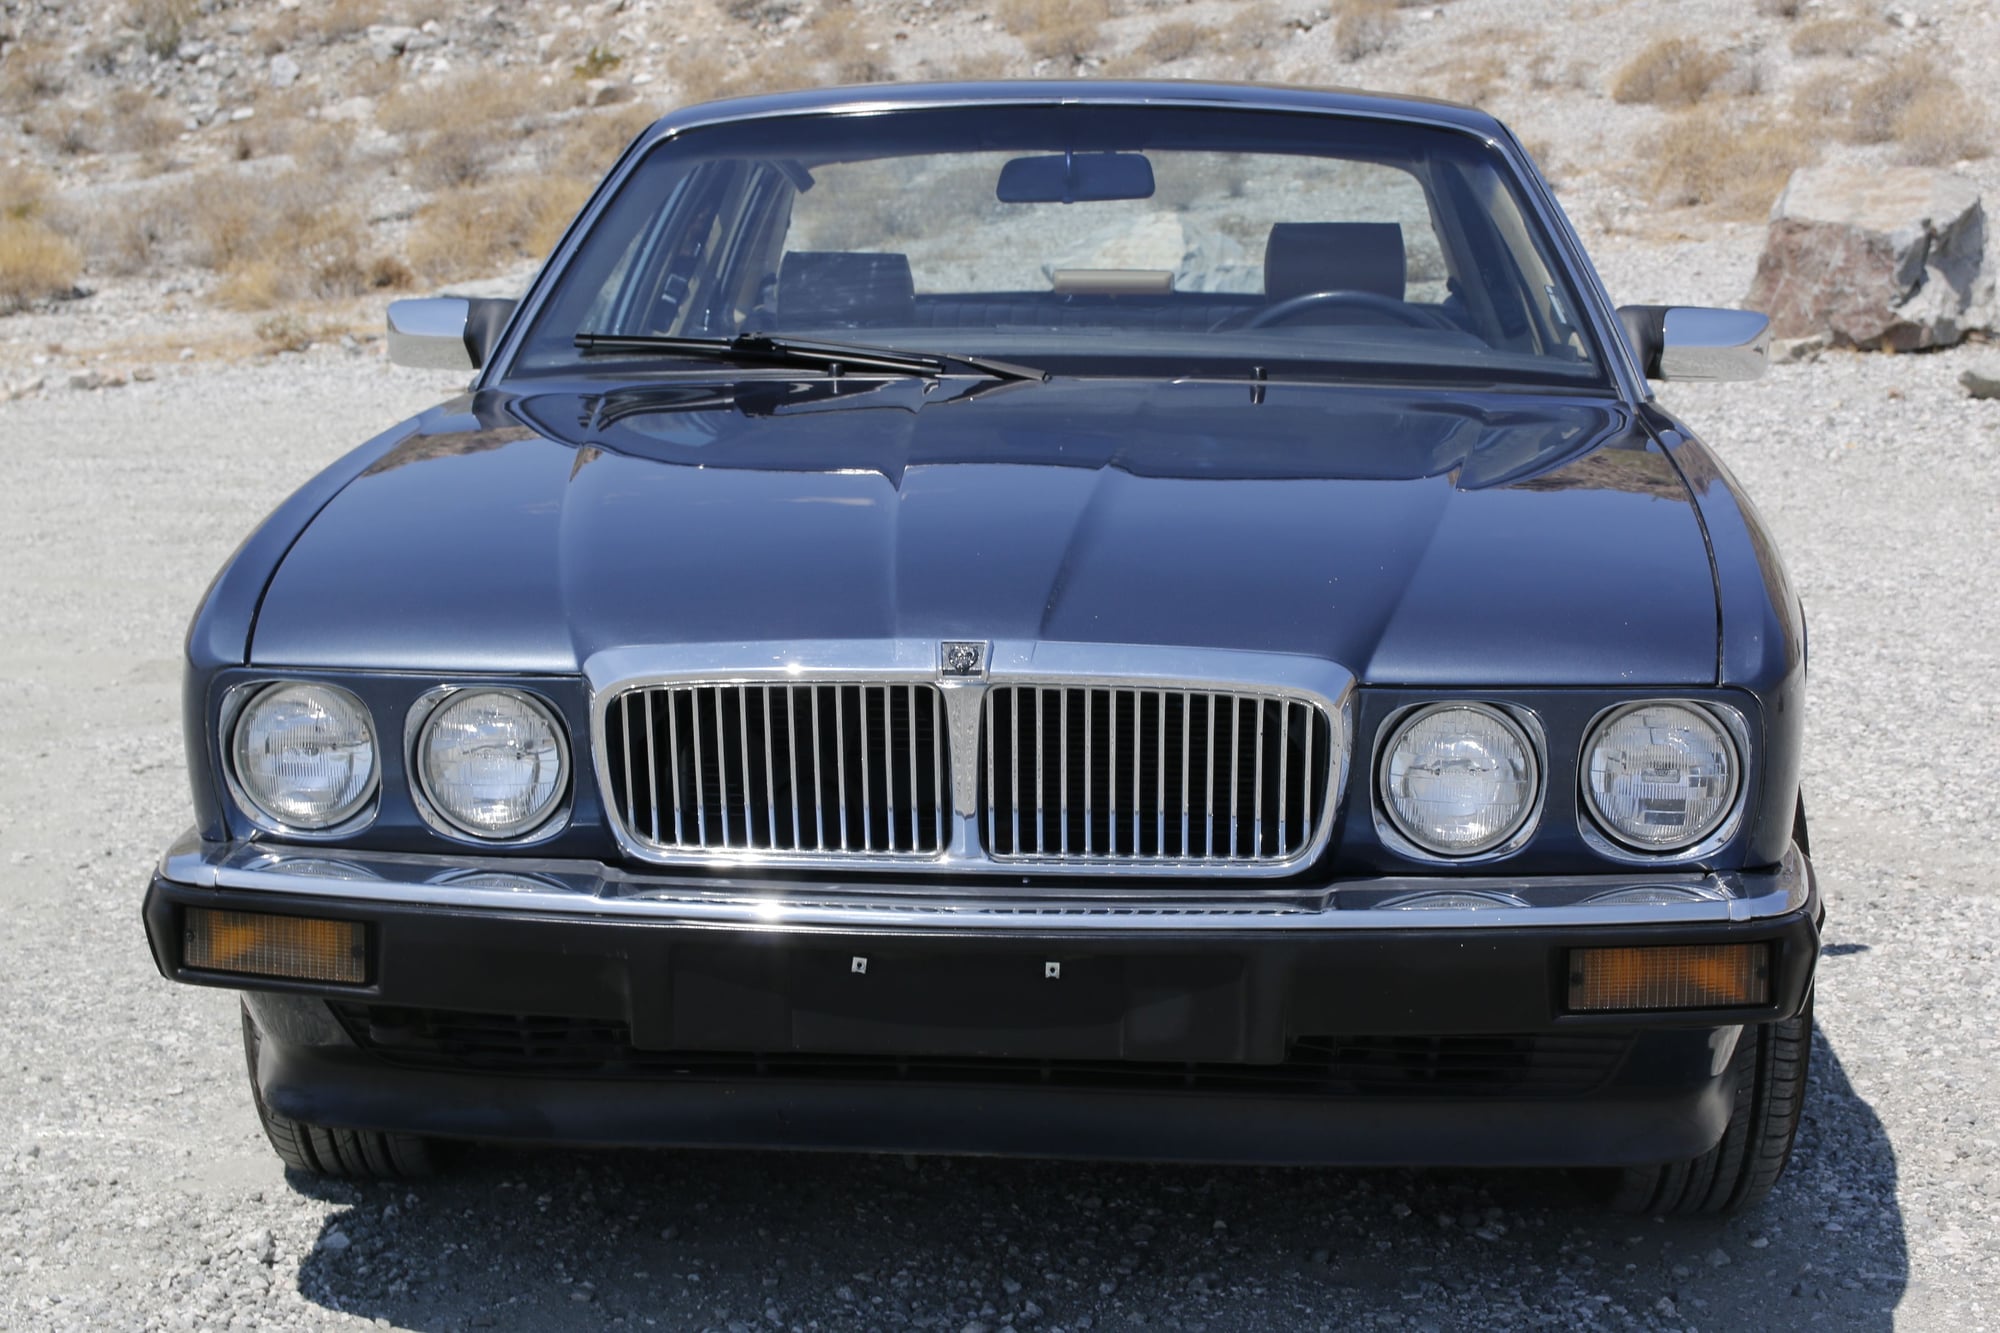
(1178, 777)
(809, 769)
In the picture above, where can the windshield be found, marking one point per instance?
(1082, 239)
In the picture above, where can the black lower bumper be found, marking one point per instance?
(1418, 1045)
(1663, 1104)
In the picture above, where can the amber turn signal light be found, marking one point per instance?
(1674, 976)
(303, 948)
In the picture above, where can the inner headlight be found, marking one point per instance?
(304, 754)
(1459, 779)
(1660, 777)
(492, 762)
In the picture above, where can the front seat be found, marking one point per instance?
(1305, 257)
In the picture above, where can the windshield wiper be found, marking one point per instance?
(762, 349)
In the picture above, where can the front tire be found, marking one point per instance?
(1770, 1066)
(316, 1150)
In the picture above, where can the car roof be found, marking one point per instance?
(1108, 92)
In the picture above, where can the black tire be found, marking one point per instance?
(315, 1150)
(1770, 1065)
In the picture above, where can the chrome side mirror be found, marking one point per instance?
(1685, 342)
(446, 332)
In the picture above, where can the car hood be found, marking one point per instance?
(1413, 536)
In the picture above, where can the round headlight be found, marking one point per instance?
(1459, 779)
(304, 754)
(1660, 777)
(492, 762)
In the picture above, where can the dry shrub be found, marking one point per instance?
(839, 39)
(1780, 9)
(70, 130)
(1877, 110)
(981, 66)
(1471, 79)
(35, 263)
(465, 126)
(1823, 97)
(1833, 37)
(30, 74)
(320, 22)
(141, 124)
(1730, 164)
(1176, 39)
(161, 23)
(131, 237)
(1056, 29)
(476, 233)
(1673, 71)
(1940, 126)
(284, 238)
(593, 141)
(284, 332)
(1364, 28)
(24, 193)
(704, 76)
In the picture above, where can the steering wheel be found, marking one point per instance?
(1374, 303)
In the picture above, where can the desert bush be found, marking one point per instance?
(161, 23)
(1833, 37)
(1942, 125)
(1876, 112)
(464, 127)
(1732, 164)
(1176, 39)
(1673, 71)
(1062, 30)
(320, 22)
(24, 193)
(475, 233)
(704, 76)
(590, 143)
(284, 332)
(1471, 78)
(70, 130)
(1364, 28)
(30, 74)
(839, 40)
(35, 263)
(130, 236)
(141, 124)
(1823, 97)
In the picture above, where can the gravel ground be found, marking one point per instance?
(136, 1192)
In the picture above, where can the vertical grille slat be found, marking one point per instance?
(1141, 775)
(813, 769)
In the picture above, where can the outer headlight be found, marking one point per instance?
(1459, 779)
(492, 763)
(1660, 777)
(304, 756)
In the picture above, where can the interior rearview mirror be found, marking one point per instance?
(1685, 342)
(1068, 178)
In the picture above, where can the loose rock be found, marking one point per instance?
(1876, 258)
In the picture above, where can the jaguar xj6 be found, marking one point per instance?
(1115, 620)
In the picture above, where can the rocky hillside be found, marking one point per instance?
(193, 178)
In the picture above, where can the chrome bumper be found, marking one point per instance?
(590, 888)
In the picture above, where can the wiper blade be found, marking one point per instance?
(835, 356)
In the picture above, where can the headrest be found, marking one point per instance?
(1306, 257)
(849, 288)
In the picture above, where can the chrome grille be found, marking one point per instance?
(1134, 775)
(807, 769)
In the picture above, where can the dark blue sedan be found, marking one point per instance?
(1081, 619)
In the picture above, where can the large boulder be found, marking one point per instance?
(1877, 258)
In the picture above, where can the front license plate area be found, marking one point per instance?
(898, 998)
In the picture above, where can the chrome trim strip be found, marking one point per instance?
(1019, 664)
(530, 884)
